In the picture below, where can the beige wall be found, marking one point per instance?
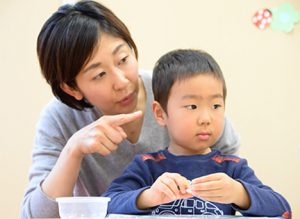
(261, 67)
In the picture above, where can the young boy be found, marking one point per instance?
(189, 177)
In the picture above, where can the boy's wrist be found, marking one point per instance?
(242, 199)
(145, 200)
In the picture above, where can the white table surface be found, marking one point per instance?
(119, 216)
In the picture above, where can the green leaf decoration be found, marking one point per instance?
(284, 18)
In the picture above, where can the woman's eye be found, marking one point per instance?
(191, 107)
(123, 60)
(100, 75)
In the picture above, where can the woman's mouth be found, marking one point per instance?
(127, 100)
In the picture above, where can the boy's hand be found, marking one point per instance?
(168, 187)
(219, 187)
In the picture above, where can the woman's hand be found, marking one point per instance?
(168, 187)
(101, 136)
(219, 187)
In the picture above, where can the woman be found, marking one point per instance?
(101, 116)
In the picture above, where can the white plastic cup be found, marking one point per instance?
(82, 207)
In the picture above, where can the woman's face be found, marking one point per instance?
(110, 80)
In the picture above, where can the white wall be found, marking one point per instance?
(261, 69)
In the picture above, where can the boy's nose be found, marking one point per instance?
(204, 118)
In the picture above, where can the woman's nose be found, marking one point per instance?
(119, 80)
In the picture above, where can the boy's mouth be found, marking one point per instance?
(203, 136)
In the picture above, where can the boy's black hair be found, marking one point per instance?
(181, 64)
(68, 39)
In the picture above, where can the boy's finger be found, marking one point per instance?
(171, 184)
(181, 182)
(207, 178)
(168, 191)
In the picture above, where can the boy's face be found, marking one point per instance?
(195, 117)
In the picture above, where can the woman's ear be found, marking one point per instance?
(71, 91)
(159, 113)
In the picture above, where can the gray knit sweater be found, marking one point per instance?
(59, 122)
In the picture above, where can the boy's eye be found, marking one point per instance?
(217, 106)
(191, 107)
(100, 75)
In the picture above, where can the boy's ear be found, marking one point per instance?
(159, 113)
(71, 91)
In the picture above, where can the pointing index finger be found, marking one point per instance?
(122, 119)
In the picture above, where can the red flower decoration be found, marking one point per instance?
(262, 18)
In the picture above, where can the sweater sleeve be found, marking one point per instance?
(125, 189)
(264, 200)
(47, 147)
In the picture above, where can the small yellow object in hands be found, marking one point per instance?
(188, 184)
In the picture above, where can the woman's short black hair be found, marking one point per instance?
(181, 64)
(68, 39)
